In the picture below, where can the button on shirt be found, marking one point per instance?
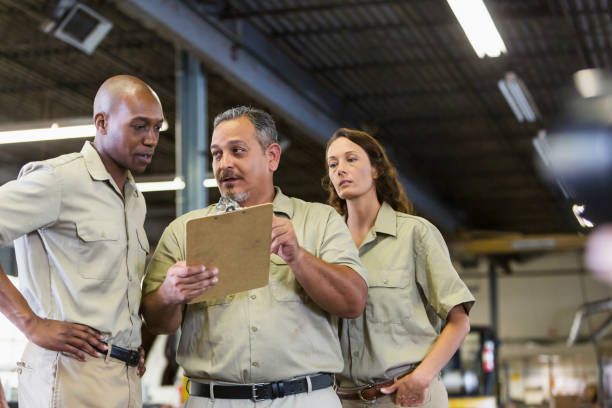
(413, 286)
(80, 244)
(267, 334)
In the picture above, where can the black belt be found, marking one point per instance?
(263, 391)
(129, 357)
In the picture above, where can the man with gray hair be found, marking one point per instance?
(277, 344)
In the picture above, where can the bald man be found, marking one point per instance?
(77, 225)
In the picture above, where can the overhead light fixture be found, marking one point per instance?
(592, 82)
(210, 183)
(80, 26)
(542, 148)
(75, 128)
(53, 132)
(518, 97)
(176, 184)
(478, 27)
(578, 210)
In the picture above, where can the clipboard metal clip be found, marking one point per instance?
(226, 204)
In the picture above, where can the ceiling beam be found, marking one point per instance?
(516, 244)
(234, 14)
(228, 54)
(252, 62)
(392, 63)
(68, 97)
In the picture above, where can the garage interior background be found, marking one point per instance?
(402, 70)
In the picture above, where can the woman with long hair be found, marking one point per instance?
(394, 352)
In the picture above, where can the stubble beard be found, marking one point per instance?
(238, 197)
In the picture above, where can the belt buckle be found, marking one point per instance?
(254, 396)
(364, 399)
(133, 358)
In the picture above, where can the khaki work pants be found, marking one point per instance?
(325, 398)
(49, 379)
(435, 397)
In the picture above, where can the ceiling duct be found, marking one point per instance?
(78, 25)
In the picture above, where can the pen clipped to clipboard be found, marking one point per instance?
(237, 243)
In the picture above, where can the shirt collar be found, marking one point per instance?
(386, 220)
(282, 203)
(96, 168)
(94, 163)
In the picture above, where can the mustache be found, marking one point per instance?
(227, 174)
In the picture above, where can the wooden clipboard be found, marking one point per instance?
(237, 243)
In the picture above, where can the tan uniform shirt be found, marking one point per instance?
(267, 334)
(80, 245)
(409, 268)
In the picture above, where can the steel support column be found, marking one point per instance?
(191, 133)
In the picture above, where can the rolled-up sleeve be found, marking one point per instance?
(169, 251)
(31, 202)
(435, 273)
(338, 246)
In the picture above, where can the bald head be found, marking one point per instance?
(115, 89)
(128, 117)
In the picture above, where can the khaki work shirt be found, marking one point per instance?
(267, 334)
(413, 286)
(80, 245)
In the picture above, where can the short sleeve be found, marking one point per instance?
(435, 273)
(338, 247)
(170, 250)
(31, 202)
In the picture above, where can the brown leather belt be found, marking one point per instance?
(370, 392)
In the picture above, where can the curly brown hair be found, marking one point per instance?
(388, 188)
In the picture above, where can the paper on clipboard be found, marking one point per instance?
(237, 243)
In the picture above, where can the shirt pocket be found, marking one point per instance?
(100, 250)
(283, 285)
(219, 301)
(388, 298)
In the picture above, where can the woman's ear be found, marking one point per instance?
(374, 172)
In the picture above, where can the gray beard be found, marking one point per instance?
(238, 197)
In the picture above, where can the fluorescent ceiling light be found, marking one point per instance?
(479, 27)
(176, 184)
(578, 209)
(542, 148)
(591, 82)
(43, 134)
(210, 183)
(518, 97)
(72, 129)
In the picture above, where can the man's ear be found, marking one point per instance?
(101, 123)
(273, 154)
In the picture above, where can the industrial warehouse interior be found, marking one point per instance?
(505, 145)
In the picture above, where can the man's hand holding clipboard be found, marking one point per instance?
(185, 283)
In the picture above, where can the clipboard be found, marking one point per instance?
(237, 243)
